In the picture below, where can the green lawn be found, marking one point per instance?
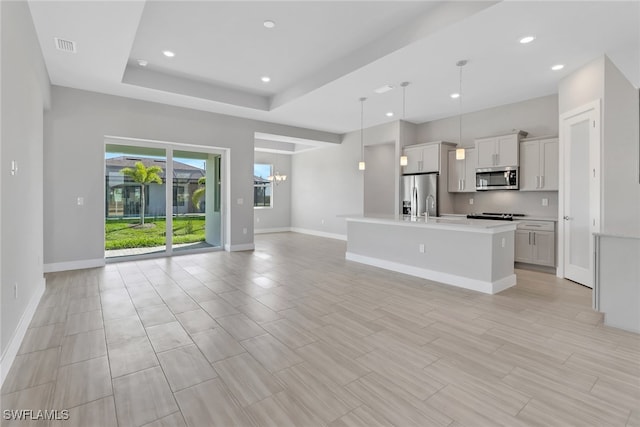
(120, 233)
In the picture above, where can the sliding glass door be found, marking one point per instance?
(160, 200)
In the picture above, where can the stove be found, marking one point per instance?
(495, 216)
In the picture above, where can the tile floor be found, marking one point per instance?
(292, 334)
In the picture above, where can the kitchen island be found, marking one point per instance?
(468, 253)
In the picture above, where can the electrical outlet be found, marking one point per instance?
(240, 201)
(322, 221)
(80, 201)
(504, 242)
(15, 290)
(244, 230)
(257, 219)
(421, 248)
(471, 201)
(545, 202)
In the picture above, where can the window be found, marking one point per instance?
(262, 187)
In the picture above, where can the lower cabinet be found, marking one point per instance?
(535, 243)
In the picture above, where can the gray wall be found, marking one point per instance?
(327, 185)
(620, 128)
(25, 92)
(379, 179)
(74, 134)
(621, 142)
(538, 116)
(279, 216)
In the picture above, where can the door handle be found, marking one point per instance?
(566, 218)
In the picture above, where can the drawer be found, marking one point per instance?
(536, 225)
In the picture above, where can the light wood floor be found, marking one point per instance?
(292, 334)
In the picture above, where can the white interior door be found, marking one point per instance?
(581, 194)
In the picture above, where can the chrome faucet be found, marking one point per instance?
(433, 202)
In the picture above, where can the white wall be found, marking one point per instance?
(74, 149)
(581, 87)
(277, 217)
(621, 142)
(25, 92)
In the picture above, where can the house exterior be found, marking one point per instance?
(122, 195)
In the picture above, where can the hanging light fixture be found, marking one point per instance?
(460, 151)
(361, 165)
(404, 161)
(277, 178)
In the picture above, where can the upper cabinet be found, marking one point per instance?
(539, 164)
(424, 158)
(498, 151)
(462, 173)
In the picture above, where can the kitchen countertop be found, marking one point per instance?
(457, 223)
(520, 218)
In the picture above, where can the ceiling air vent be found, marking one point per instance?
(65, 45)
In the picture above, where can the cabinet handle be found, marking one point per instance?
(541, 181)
(529, 237)
(534, 239)
(537, 181)
(462, 185)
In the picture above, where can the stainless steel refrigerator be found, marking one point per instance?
(419, 192)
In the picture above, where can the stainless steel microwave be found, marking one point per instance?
(505, 178)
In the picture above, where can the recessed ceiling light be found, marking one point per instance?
(389, 114)
(269, 23)
(455, 95)
(168, 53)
(527, 39)
(557, 67)
(265, 79)
(143, 62)
(383, 89)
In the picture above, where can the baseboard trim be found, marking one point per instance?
(74, 265)
(9, 356)
(242, 247)
(271, 230)
(437, 276)
(319, 233)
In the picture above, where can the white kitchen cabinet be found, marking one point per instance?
(535, 243)
(462, 173)
(539, 164)
(424, 158)
(414, 159)
(498, 151)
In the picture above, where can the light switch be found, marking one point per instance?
(80, 201)
(421, 248)
(471, 201)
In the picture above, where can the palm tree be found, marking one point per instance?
(199, 193)
(143, 175)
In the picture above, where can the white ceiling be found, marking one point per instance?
(323, 56)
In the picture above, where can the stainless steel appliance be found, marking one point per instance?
(419, 194)
(505, 178)
(496, 216)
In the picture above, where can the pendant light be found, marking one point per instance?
(460, 151)
(404, 161)
(361, 165)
